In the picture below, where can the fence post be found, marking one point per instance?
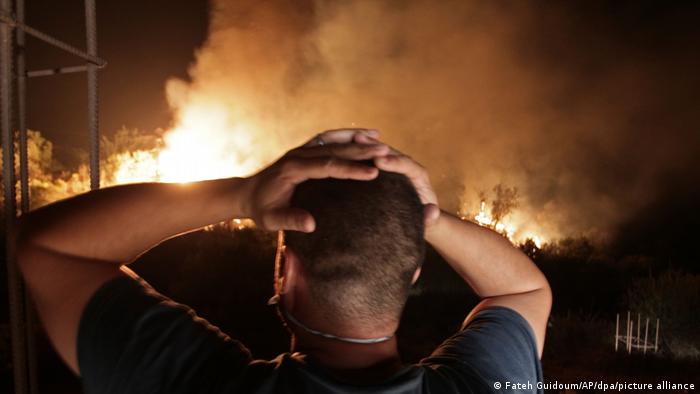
(629, 344)
(628, 331)
(646, 336)
(617, 328)
(656, 342)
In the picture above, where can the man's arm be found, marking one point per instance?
(69, 249)
(116, 224)
(497, 271)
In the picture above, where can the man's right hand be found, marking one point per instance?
(331, 154)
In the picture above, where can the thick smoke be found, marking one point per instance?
(584, 108)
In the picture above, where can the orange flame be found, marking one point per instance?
(506, 227)
(192, 151)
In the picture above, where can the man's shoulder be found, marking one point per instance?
(132, 331)
(496, 345)
(296, 373)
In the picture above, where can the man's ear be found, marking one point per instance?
(292, 280)
(416, 275)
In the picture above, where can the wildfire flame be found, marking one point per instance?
(192, 151)
(207, 144)
(505, 227)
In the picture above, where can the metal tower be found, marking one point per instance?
(13, 81)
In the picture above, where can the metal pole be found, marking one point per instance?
(14, 284)
(629, 345)
(646, 336)
(55, 71)
(617, 328)
(627, 332)
(93, 114)
(22, 110)
(656, 342)
(21, 72)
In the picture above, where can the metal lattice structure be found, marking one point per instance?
(13, 97)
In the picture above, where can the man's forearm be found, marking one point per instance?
(117, 224)
(487, 261)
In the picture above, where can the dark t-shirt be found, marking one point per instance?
(133, 340)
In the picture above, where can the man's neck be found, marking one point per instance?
(362, 363)
(345, 360)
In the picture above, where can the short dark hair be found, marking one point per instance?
(368, 242)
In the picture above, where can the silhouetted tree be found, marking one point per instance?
(506, 199)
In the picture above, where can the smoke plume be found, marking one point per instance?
(586, 109)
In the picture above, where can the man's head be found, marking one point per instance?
(360, 261)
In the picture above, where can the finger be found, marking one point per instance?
(374, 133)
(295, 219)
(418, 176)
(345, 135)
(366, 139)
(401, 164)
(343, 151)
(362, 138)
(299, 170)
(340, 136)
